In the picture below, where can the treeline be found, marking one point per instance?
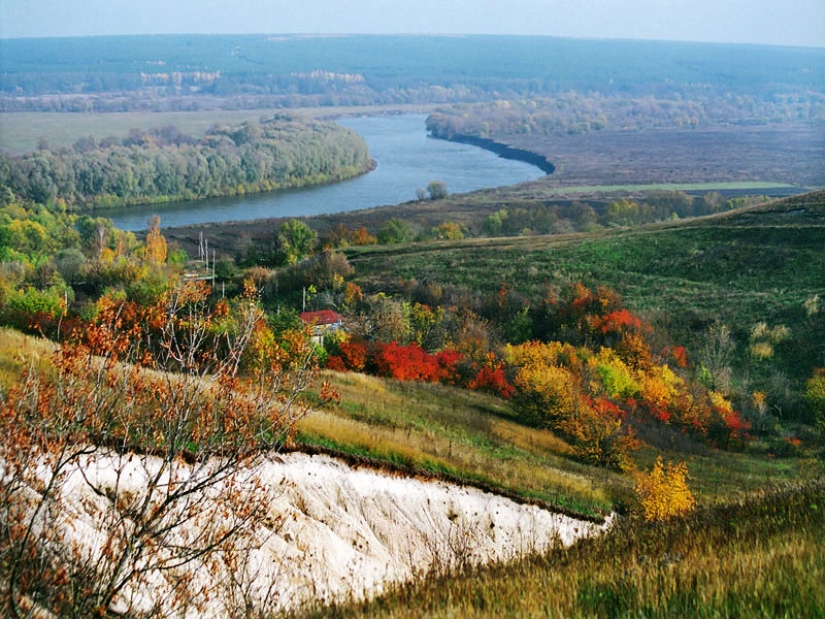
(165, 165)
(230, 65)
(574, 113)
(235, 94)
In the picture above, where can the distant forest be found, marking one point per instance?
(571, 114)
(165, 165)
(197, 72)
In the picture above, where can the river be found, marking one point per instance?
(407, 160)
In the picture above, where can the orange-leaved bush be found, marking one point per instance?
(149, 409)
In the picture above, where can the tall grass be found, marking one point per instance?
(17, 353)
(763, 556)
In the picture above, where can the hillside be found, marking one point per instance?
(759, 264)
(753, 548)
(755, 273)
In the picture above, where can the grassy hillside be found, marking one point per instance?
(437, 430)
(744, 552)
(754, 547)
(760, 264)
(761, 557)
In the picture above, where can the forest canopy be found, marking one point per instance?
(163, 164)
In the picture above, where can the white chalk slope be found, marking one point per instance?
(333, 531)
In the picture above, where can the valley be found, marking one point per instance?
(596, 390)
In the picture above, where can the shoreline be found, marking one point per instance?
(502, 150)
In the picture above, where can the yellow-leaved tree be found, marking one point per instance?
(664, 491)
(155, 245)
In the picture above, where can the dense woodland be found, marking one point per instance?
(168, 72)
(573, 113)
(164, 165)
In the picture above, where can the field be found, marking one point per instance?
(784, 154)
(20, 132)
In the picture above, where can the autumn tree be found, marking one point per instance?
(448, 230)
(155, 250)
(361, 236)
(664, 493)
(129, 462)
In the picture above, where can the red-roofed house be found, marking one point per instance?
(322, 322)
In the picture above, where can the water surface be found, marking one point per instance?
(407, 160)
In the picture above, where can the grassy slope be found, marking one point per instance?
(434, 430)
(755, 264)
(741, 267)
(751, 558)
(763, 557)
(759, 263)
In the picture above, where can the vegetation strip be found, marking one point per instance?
(394, 468)
(164, 165)
(748, 185)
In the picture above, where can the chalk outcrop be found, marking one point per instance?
(333, 531)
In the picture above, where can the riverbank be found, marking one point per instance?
(407, 161)
(502, 150)
(104, 205)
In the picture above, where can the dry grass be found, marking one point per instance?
(442, 430)
(762, 557)
(17, 352)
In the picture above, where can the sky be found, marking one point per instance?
(773, 22)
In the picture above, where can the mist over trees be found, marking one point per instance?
(184, 72)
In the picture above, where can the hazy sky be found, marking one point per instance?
(784, 22)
